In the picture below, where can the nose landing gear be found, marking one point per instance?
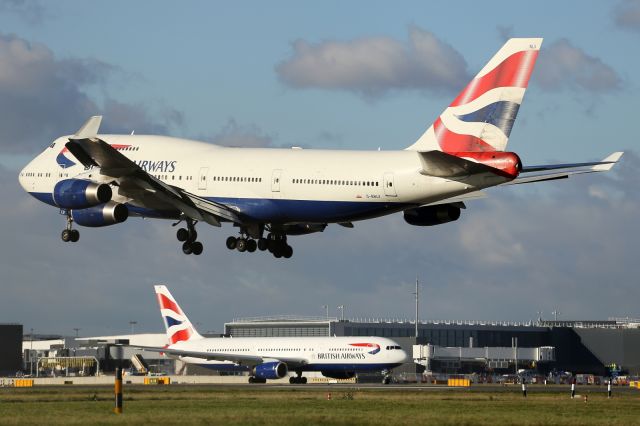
(69, 234)
(188, 236)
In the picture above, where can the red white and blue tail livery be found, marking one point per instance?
(269, 195)
(271, 357)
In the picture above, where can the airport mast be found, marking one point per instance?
(417, 293)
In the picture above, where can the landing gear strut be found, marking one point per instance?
(69, 234)
(188, 236)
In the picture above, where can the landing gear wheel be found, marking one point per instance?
(241, 245)
(193, 235)
(66, 235)
(75, 235)
(293, 380)
(251, 380)
(182, 234)
(231, 243)
(287, 252)
(303, 380)
(187, 248)
(263, 243)
(386, 380)
(251, 246)
(196, 248)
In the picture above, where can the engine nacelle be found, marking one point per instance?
(344, 375)
(271, 370)
(432, 215)
(80, 194)
(102, 215)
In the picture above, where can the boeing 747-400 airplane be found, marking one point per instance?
(270, 194)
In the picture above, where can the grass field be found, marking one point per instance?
(288, 406)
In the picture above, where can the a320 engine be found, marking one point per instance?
(80, 194)
(271, 370)
(432, 215)
(102, 215)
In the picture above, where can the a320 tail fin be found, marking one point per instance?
(482, 115)
(178, 326)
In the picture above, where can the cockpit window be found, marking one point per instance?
(52, 145)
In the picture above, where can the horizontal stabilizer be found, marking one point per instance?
(543, 173)
(441, 164)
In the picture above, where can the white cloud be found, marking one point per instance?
(32, 11)
(237, 135)
(562, 65)
(373, 66)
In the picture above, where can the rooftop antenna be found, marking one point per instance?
(417, 293)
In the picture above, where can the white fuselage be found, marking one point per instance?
(318, 353)
(263, 185)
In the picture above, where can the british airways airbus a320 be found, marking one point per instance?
(270, 194)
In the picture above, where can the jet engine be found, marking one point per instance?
(339, 374)
(80, 194)
(432, 215)
(102, 215)
(271, 370)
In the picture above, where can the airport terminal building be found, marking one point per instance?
(449, 347)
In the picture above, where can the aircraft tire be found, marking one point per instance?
(182, 235)
(231, 243)
(186, 248)
(287, 252)
(75, 235)
(193, 235)
(241, 245)
(251, 246)
(66, 235)
(292, 380)
(263, 244)
(303, 380)
(196, 248)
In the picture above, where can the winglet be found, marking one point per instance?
(608, 162)
(89, 129)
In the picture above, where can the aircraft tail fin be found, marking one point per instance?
(481, 117)
(177, 325)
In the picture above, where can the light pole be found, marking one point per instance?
(31, 355)
(132, 324)
(417, 294)
(326, 308)
(341, 307)
(555, 313)
(76, 329)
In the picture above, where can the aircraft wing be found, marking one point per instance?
(542, 173)
(136, 183)
(239, 359)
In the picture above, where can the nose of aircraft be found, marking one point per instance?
(22, 178)
(402, 356)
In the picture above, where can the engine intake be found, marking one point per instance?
(102, 215)
(80, 194)
(271, 370)
(432, 215)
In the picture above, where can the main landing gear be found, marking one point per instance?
(188, 236)
(299, 380)
(274, 243)
(69, 234)
(257, 380)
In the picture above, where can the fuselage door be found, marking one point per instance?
(275, 180)
(389, 185)
(202, 179)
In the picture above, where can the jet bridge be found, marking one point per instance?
(492, 357)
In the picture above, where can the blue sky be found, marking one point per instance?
(225, 72)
